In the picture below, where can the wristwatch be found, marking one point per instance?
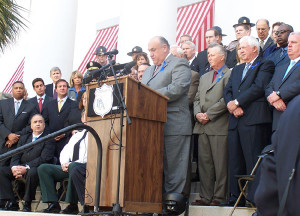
(278, 93)
(236, 102)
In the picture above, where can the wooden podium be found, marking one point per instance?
(142, 152)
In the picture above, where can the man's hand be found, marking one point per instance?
(59, 137)
(12, 139)
(238, 112)
(202, 118)
(18, 171)
(273, 97)
(231, 106)
(279, 105)
(65, 166)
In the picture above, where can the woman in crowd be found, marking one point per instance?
(76, 85)
(139, 59)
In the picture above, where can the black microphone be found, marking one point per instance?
(95, 74)
(113, 52)
(127, 68)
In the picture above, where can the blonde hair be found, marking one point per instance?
(78, 73)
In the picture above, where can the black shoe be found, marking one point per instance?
(27, 207)
(85, 209)
(52, 208)
(232, 202)
(11, 206)
(70, 209)
(2, 204)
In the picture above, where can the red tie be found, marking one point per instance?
(40, 104)
(156, 69)
(215, 76)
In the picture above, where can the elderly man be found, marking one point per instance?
(171, 77)
(285, 84)
(55, 74)
(211, 125)
(189, 50)
(263, 28)
(249, 128)
(176, 51)
(25, 165)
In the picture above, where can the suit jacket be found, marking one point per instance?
(289, 87)
(194, 65)
(249, 92)
(11, 123)
(42, 153)
(278, 57)
(209, 99)
(36, 105)
(269, 43)
(49, 90)
(173, 80)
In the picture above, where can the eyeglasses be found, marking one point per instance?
(281, 32)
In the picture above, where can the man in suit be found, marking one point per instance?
(249, 128)
(285, 84)
(280, 55)
(74, 154)
(24, 165)
(171, 77)
(15, 114)
(263, 28)
(189, 50)
(41, 99)
(211, 124)
(278, 167)
(184, 38)
(55, 74)
(61, 113)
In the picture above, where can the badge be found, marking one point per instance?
(103, 100)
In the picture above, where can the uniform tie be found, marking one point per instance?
(60, 104)
(76, 148)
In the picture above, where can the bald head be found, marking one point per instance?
(158, 48)
(262, 28)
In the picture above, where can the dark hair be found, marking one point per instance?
(37, 115)
(139, 55)
(61, 80)
(277, 24)
(246, 26)
(217, 33)
(164, 41)
(186, 35)
(18, 81)
(144, 64)
(37, 80)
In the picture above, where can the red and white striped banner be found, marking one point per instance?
(17, 76)
(194, 20)
(106, 37)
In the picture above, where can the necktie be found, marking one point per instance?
(156, 69)
(261, 43)
(34, 139)
(54, 94)
(215, 76)
(60, 105)
(289, 68)
(40, 104)
(246, 70)
(76, 148)
(282, 52)
(17, 106)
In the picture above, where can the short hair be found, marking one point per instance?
(61, 80)
(294, 33)
(37, 114)
(145, 64)
(37, 80)
(267, 21)
(186, 35)
(217, 33)
(190, 43)
(291, 27)
(55, 69)
(252, 42)
(246, 26)
(221, 49)
(18, 81)
(178, 48)
(78, 73)
(163, 41)
(277, 24)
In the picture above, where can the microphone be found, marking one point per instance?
(95, 74)
(113, 52)
(127, 68)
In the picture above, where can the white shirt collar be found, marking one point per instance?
(64, 99)
(37, 97)
(15, 100)
(192, 59)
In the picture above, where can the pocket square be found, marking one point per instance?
(24, 112)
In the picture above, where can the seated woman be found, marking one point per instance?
(76, 86)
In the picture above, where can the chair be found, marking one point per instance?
(247, 178)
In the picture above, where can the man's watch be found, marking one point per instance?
(278, 93)
(236, 102)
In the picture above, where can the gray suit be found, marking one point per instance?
(212, 144)
(173, 80)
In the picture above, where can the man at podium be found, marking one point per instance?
(171, 77)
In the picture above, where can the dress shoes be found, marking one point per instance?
(2, 204)
(11, 206)
(27, 207)
(215, 203)
(232, 203)
(85, 209)
(70, 209)
(52, 208)
(200, 203)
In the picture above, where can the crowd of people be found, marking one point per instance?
(225, 104)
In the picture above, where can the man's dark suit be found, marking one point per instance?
(279, 57)
(248, 134)
(276, 168)
(268, 43)
(11, 123)
(35, 102)
(68, 115)
(49, 90)
(42, 153)
(289, 87)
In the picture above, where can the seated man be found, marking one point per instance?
(74, 154)
(25, 165)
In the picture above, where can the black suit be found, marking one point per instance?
(49, 90)
(279, 57)
(36, 105)
(289, 87)
(42, 153)
(11, 123)
(276, 168)
(268, 43)
(248, 134)
(68, 115)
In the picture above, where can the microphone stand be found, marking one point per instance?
(116, 206)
